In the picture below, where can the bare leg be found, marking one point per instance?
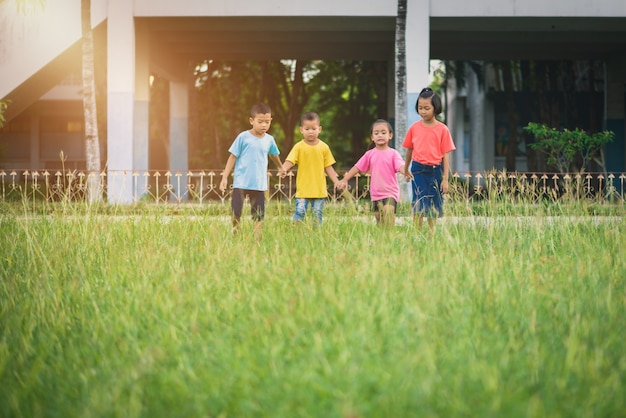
(431, 225)
(388, 216)
(418, 219)
(258, 230)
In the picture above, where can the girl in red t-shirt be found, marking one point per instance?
(428, 142)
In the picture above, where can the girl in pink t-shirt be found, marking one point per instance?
(383, 163)
(428, 143)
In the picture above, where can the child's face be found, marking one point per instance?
(381, 135)
(310, 129)
(425, 109)
(261, 123)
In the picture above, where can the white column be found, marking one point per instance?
(476, 110)
(120, 97)
(417, 53)
(179, 134)
(142, 105)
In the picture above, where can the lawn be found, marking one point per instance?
(166, 314)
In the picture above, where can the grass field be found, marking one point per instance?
(169, 315)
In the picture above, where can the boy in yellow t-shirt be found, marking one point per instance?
(313, 158)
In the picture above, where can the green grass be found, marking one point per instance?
(165, 314)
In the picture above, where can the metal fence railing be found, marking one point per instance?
(202, 186)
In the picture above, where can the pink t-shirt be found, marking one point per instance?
(429, 143)
(382, 166)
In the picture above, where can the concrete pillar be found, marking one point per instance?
(179, 134)
(456, 123)
(121, 100)
(476, 110)
(615, 116)
(142, 105)
(417, 53)
(489, 132)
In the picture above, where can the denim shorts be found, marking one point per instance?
(427, 198)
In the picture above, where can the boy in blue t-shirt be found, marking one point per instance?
(248, 155)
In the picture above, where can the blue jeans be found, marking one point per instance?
(302, 205)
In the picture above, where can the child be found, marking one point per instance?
(383, 163)
(313, 157)
(248, 155)
(428, 143)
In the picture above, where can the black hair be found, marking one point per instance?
(260, 109)
(312, 116)
(372, 144)
(381, 121)
(428, 93)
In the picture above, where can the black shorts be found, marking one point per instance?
(257, 201)
(377, 205)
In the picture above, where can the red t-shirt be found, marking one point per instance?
(429, 143)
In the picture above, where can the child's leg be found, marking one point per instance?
(317, 207)
(237, 207)
(257, 201)
(301, 206)
(386, 211)
(431, 225)
(377, 207)
(389, 215)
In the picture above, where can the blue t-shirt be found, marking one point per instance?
(251, 165)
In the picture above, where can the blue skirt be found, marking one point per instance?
(427, 198)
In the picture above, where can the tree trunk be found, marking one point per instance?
(92, 142)
(401, 107)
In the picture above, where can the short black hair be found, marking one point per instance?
(260, 109)
(428, 93)
(312, 116)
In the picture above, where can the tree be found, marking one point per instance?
(92, 142)
(562, 147)
(400, 74)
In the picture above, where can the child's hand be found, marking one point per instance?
(407, 176)
(342, 184)
(444, 186)
(223, 184)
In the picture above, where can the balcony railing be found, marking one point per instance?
(202, 186)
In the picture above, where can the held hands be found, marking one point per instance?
(407, 175)
(341, 185)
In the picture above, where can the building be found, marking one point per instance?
(40, 53)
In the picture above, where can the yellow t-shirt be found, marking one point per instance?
(311, 161)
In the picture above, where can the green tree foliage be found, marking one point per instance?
(569, 150)
(348, 95)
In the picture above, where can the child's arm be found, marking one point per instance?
(346, 177)
(444, 174)
(229, 167)
(287, 165)
(278, 163)
(407, 164)
(332, 174)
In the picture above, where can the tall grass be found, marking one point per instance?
(171, 315)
